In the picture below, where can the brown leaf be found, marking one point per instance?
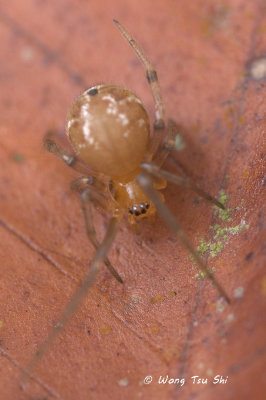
(163, 321)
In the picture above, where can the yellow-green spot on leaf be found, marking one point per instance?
(202, 274)
(223, 197)
(230, 318)
(18, 157)
(238, 292)
(215, 248)
(203, 247)
(209, 247)
(221, 233)
(236, 229)
(219, 306)
(232, 230)
(123, 382)
(224, 215)
(1, 323)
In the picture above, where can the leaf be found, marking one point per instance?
(162, 321)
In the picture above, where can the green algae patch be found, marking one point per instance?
(17, 157)
(221, 233)
(202, 274)
(224, 215)
(209, 247)
(231, 230)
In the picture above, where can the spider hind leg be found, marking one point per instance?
(146, 182)
(82, 290)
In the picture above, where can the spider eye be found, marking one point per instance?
(139, 209)
(142, 208)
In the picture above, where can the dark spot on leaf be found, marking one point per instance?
(249, 256)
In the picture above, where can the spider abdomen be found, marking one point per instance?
(109, 129)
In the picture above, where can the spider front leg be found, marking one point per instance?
(151, 74)
(78, 165)
(146, 182)
(89, 196)
(160, 157)
(99, 257)
(71, 160)
(167, 144)
(180, 180)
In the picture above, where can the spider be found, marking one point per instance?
(120, 162)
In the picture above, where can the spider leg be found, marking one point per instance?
(69, 159)
(151, 74)
(82, 183)
(87, 197)
(179, 180)
(167, 144)
(145, 181)
(73, 162)
(81, 292)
